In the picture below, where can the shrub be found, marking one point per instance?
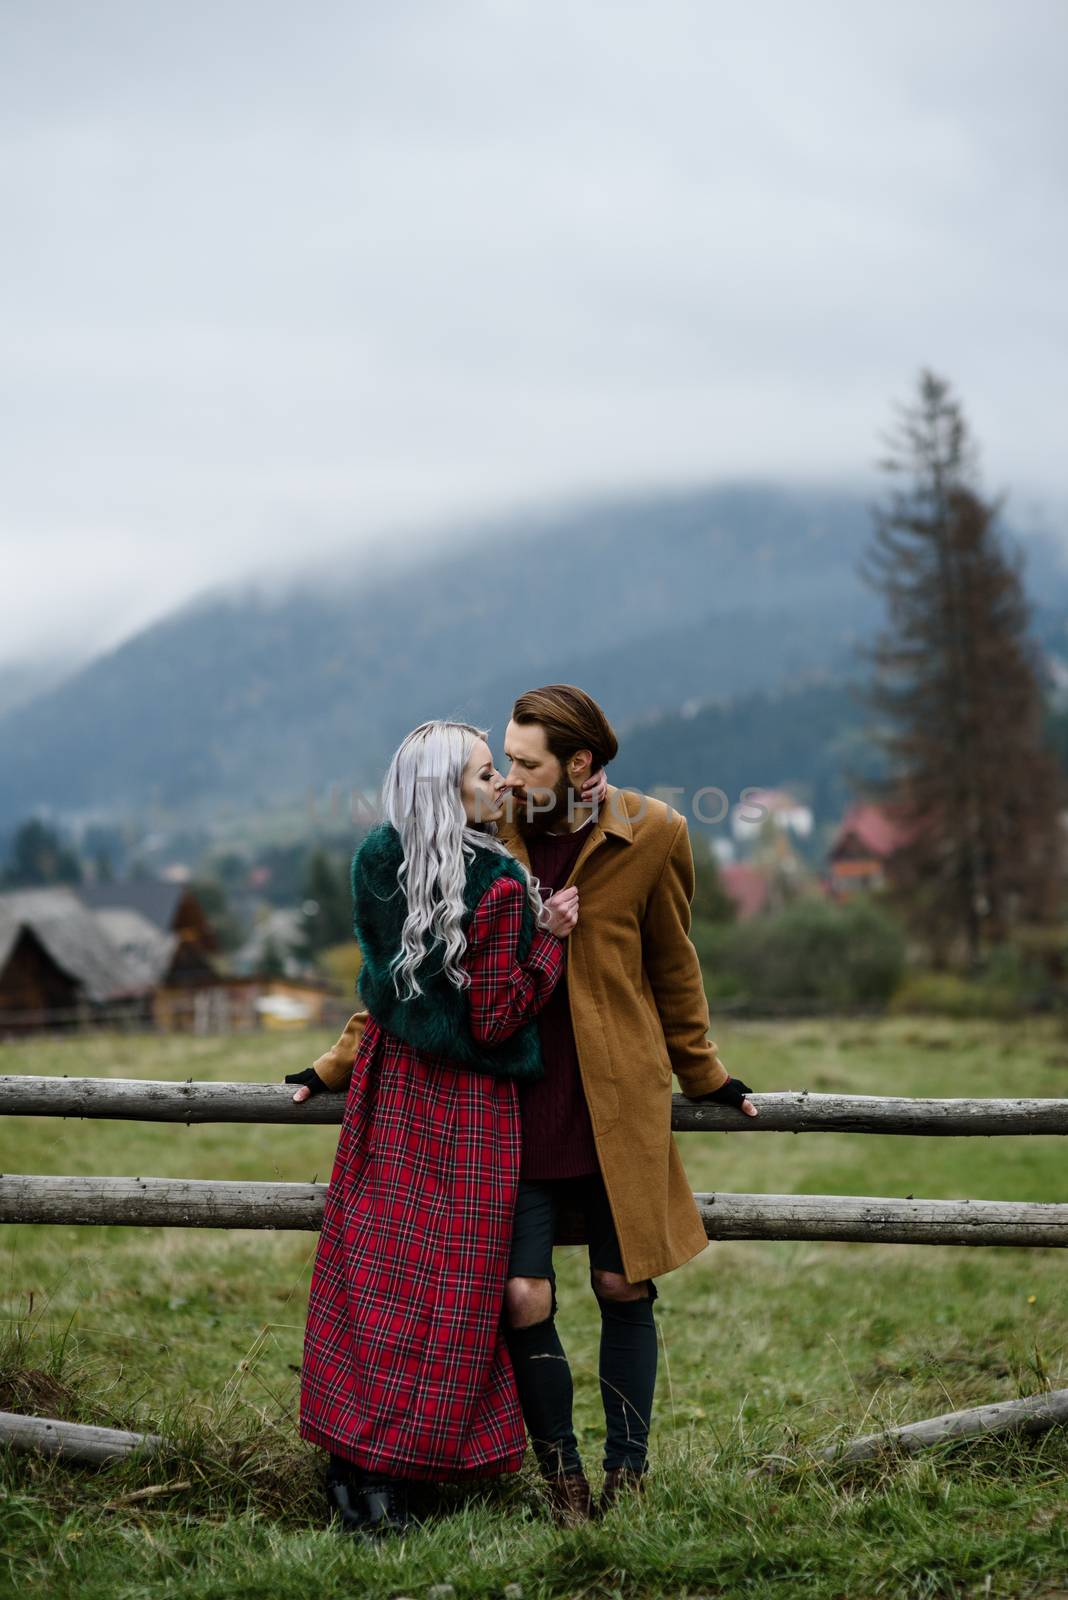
(852, 954)
(1003, 991)
(1013, 971)
(1008, 984)
(939, 994)
(712, 941)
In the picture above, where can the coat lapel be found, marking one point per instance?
(611, 819)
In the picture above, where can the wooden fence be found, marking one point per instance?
(208, 1203)
(198, 1203)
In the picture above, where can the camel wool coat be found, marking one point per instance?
(639, 1014)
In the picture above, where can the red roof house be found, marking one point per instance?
(865, 839)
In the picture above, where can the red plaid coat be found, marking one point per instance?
(405, 1368)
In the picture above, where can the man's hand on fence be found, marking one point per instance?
(731, 1093)
(310, 1082)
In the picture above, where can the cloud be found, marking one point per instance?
(278, 280)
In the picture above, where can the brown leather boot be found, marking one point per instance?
(617, 1481)
(570, 1498)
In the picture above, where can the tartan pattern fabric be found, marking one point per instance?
(405, 1368)
(504, 993)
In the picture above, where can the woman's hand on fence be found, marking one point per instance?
(310, 1083)
(731, 1093)
(563, 911)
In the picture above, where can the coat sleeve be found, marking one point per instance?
(505, 992)
(335, 1065)
(675, 971)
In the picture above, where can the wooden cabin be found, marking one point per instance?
(866, 838)
(58, 967)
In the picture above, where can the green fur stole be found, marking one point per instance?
(439, 1019)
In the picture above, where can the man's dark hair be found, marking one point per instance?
(571, 719)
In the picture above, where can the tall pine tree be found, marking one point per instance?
(956, 689)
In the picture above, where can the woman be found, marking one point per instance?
(405, 1374)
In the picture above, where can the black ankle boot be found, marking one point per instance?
(364, 1502)
(343, 1506)
(385, 1505)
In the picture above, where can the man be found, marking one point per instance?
(597, 1144)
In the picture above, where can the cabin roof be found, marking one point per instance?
(74, 939)
(873, 827)
(154, 898)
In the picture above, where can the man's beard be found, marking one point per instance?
(542, 819)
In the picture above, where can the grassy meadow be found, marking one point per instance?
(769, 1349)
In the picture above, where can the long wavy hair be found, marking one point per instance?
(421, 798)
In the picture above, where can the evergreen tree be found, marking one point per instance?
(225, 925)
(972, 784)
(104, 845)
(103, 869)
(39, 857)
(272, 963)
(711, 902)
(327, 902)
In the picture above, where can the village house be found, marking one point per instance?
(750, 816)
(863, 843)
(138, 954)
(59, 966)
(171, 908)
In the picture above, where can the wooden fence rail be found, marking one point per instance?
(210, 1203)
(793, 1111)
(215, 1203)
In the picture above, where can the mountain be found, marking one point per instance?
(808, 739)
(23, 681)
(653, 604)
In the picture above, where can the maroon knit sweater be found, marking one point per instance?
(557, 1133)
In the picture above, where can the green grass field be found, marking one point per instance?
(767, 1348)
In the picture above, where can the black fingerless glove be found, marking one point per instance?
(311, 1078)
(731, 1093)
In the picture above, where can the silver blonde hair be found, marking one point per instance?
(421, 798)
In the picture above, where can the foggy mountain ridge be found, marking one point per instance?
(653, 605)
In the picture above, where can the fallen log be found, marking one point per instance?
(1032, 1415)
(74, 1441)
(1035, 1414)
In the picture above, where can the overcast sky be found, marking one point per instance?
(280, 277)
